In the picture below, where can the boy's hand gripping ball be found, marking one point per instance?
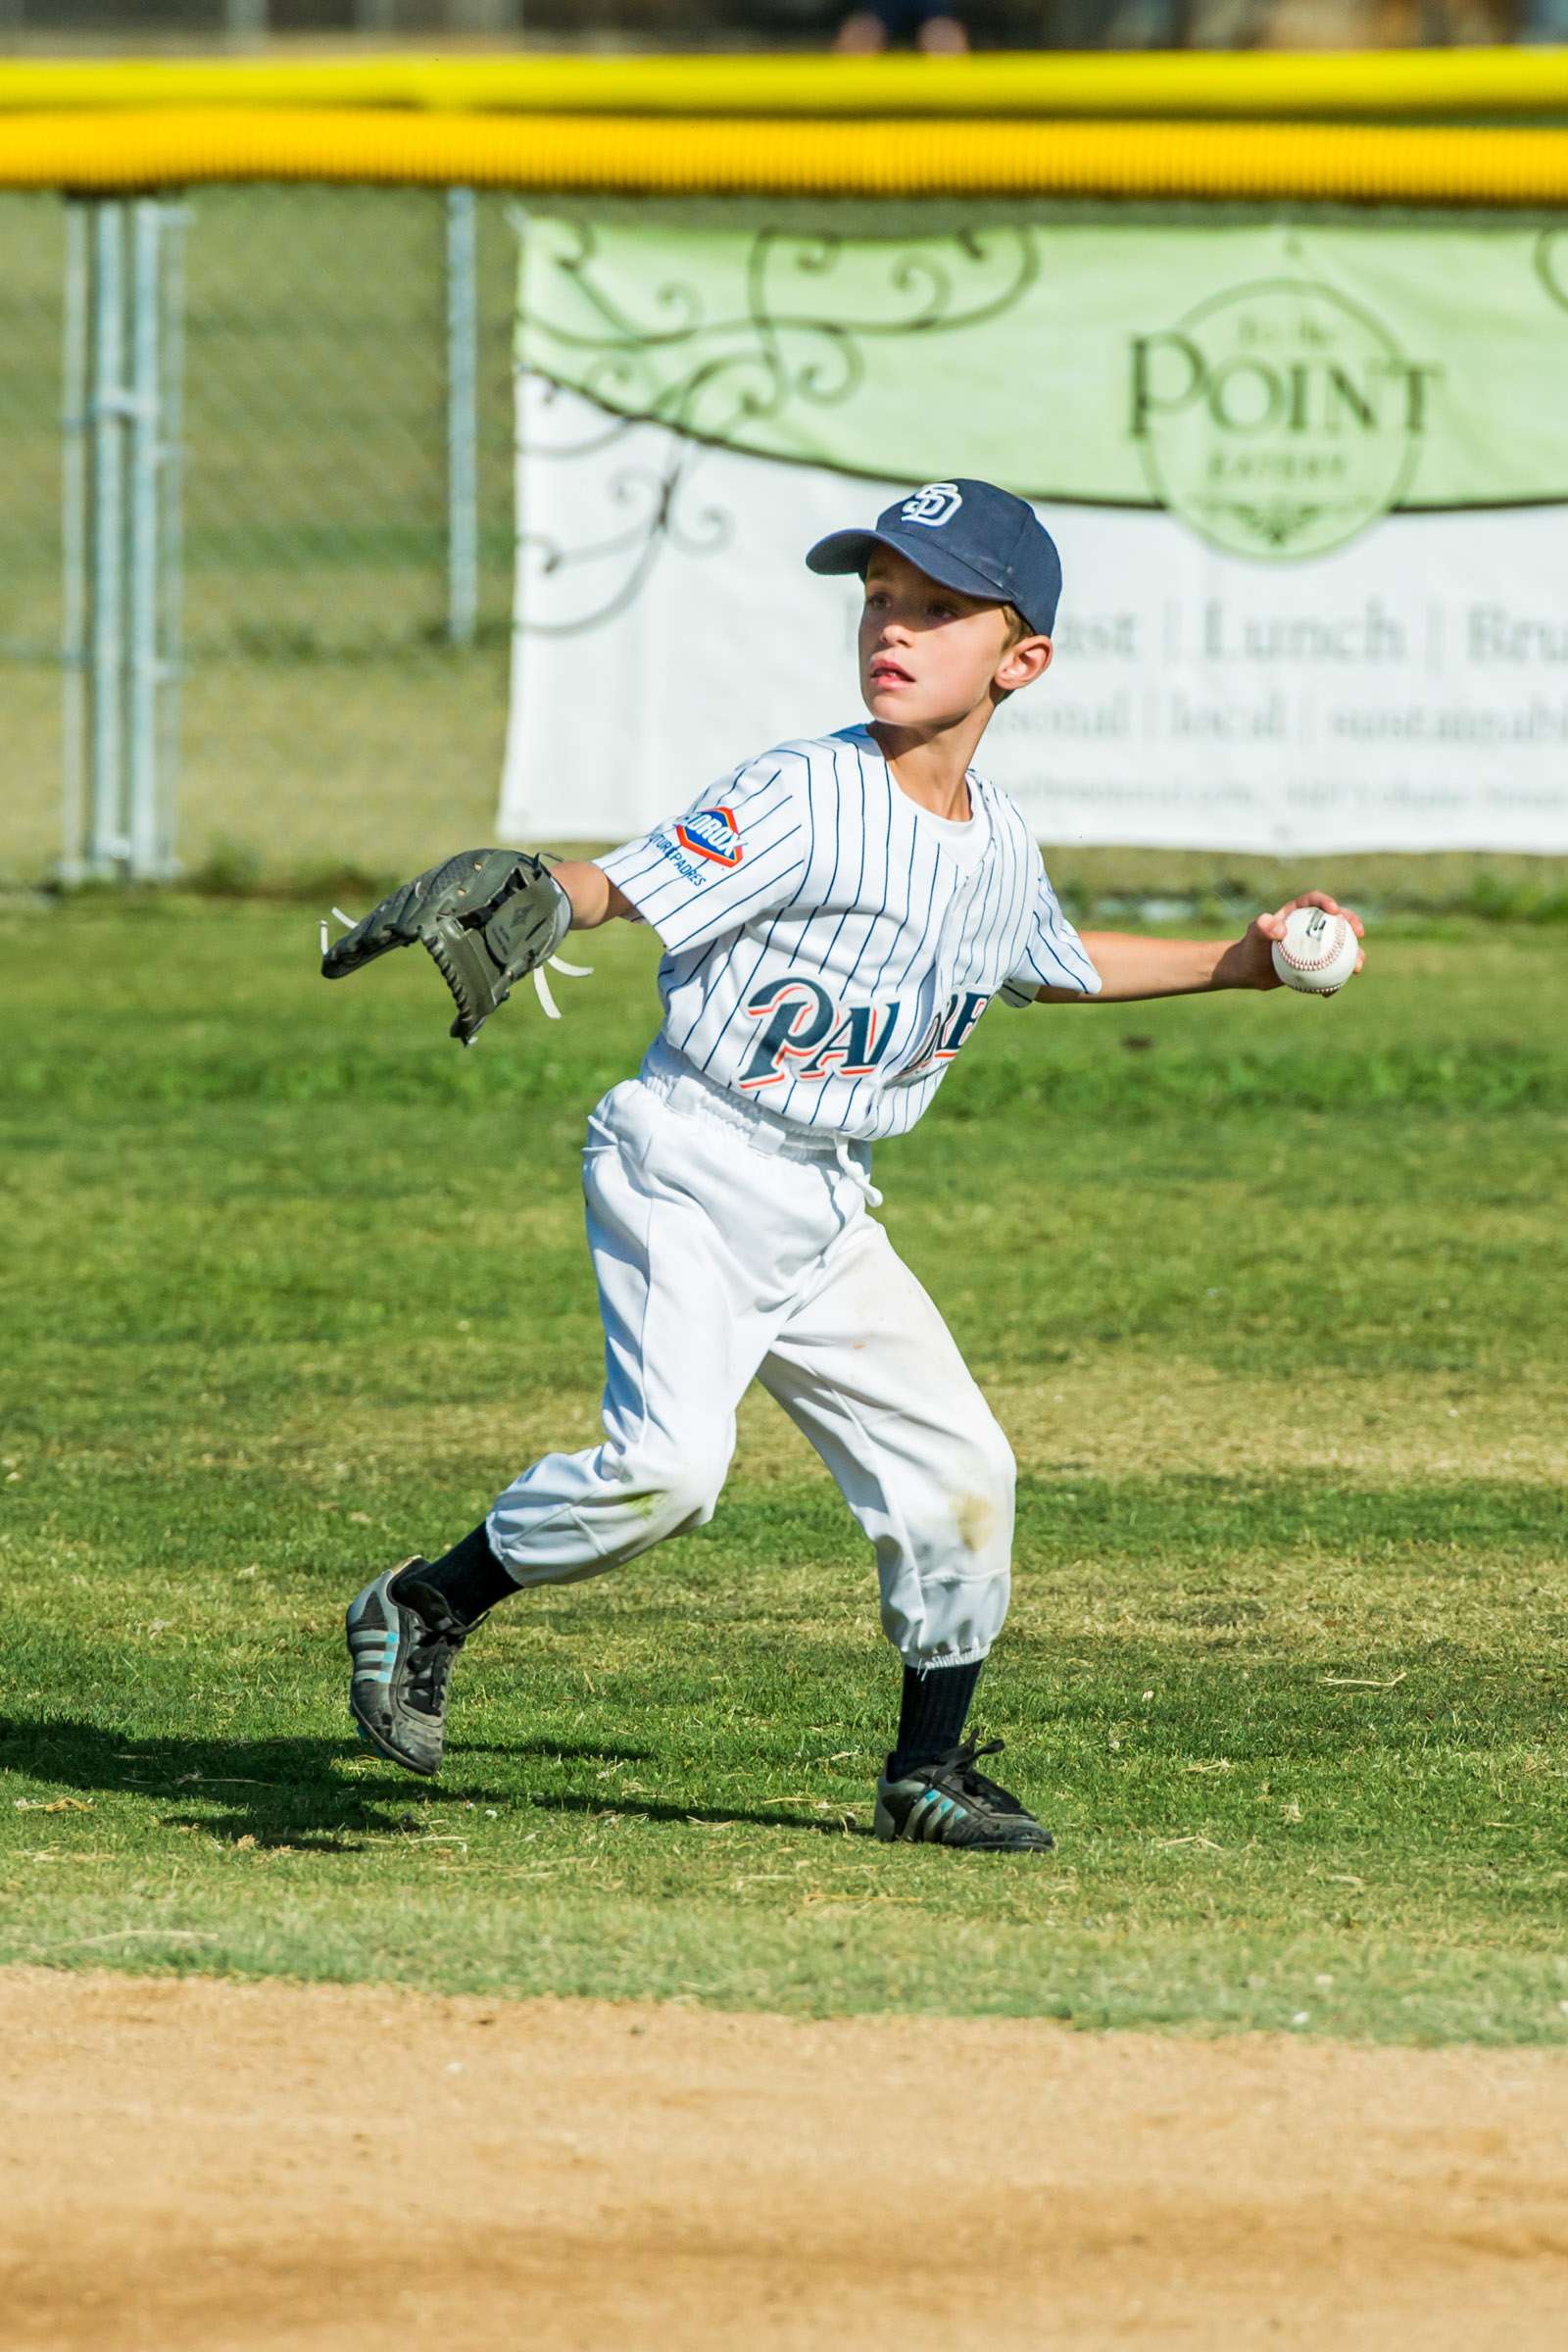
(1318, 951)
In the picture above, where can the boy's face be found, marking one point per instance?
(930, 656)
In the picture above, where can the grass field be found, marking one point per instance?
(1269, 1304)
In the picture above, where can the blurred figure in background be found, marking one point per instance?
(891, 23)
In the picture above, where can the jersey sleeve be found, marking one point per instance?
(739, 850)
(1053, 955)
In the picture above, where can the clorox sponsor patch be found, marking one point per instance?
(712, 833)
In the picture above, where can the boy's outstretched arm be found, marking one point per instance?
(595, 898)
(1133, 968)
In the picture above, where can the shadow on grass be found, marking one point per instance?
(281, 1793)
(293, 1793)
(839, 1822)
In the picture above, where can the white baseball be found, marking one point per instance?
(1318, 951)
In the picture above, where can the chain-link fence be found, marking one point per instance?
(32, 284)
(346, 553)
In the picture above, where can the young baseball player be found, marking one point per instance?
(836, 916)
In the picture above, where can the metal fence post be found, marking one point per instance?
(146, 423)
(73, 543)
(120, 536)
(172, 565)
(487, 17)
(245, 22)
(462, 415)
(106, 836)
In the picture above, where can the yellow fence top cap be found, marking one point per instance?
(696, 156)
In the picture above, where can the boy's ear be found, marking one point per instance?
(1029, 659)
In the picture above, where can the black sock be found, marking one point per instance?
(931, 1714)
(469, 1578)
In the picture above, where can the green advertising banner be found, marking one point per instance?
(1309, 477)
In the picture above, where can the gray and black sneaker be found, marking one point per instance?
(950, 1803)
(403, 1638)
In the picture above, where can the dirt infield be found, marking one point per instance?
(234, 2167)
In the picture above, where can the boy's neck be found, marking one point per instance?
(931, 769)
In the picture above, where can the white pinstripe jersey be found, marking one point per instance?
(826, 954)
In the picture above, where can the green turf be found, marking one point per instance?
(1270, 1304)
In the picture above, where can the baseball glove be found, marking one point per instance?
(487, 917)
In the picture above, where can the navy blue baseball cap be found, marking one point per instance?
(967, 535)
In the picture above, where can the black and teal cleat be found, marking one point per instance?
(403, 1640)
(950, 1803)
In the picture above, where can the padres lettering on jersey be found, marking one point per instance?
(827, 953)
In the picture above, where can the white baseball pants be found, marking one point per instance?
(725, 1251)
